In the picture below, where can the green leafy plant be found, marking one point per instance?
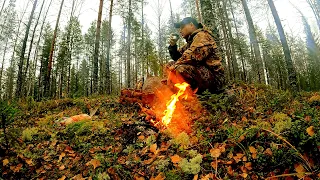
(7, 114)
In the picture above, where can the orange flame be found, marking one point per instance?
(171, 105)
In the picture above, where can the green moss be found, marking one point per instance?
(84, 128)
(173, 175)
(282, 122)
(162, 164)
(103, 176)
(182, 139)
(28, 133)
(193, 153)
(191, 166)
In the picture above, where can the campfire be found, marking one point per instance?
(171, 105)
(163, 108)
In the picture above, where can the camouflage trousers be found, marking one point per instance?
(199, 77)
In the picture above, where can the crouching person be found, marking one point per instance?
(197, 62)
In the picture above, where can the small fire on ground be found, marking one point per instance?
(171, 105)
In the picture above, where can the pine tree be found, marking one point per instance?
(286, 49)
(20, 80)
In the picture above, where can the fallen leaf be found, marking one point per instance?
(78, 177)
(215, 163)
(300, 170)
(254, 156)
(244, 175)
(48, 166)
(41, 170)
(195, 177)
(229, 162)
(16, 168)
(208, 177)
(69, 150)
(54, 142)
(248, 165)
(243, 169)
(62, 178)
(94, 162)
(238, 157)
(159, 177)
(141, 137)
(176, 158)
(72, 155)
(307, 118)
(62, 167)
(254, 177)
(310, 131)
(153, 148)
(244, 158)
(252, 150)
(136, 177)
(241, 138)
(61, 156)
(268, 152)
(113, 174)
(216, 152)
(149, 161)
(244, 118)
(230, 171)
(164, 146)
(122, 160)
(29, 162)
(5, 162)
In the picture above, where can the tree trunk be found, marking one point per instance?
(12, 63)
(225, 41)
(4, 3)
(142, 37)
(240, 49)
(31, 42)
(254, 42)
(286, 49)
(314, 54)
(47, 84)
(2, 65)
(37, 47)
(171, 16)
(20, 80)
(108, 77)
(231, 43)
(315, 6)
(96, 50)
(69, 42)
(198, 10)
(129, 47)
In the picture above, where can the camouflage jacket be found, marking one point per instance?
(201, 49)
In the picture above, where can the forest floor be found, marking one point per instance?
(256, 132)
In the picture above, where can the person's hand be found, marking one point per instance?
(171, 68)
(173, 39)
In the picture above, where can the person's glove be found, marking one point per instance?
(173, 39)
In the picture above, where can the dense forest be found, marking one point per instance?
(42, 59)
